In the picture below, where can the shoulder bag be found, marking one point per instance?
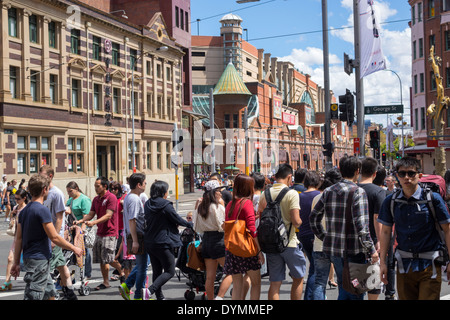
(238, 239)
(357, 278)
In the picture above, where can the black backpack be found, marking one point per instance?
(272, 235)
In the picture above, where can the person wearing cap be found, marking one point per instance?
(208, 219)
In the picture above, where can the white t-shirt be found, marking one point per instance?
(213, 222)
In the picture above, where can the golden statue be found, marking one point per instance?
(435, 111)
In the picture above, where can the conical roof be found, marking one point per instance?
(231, 83)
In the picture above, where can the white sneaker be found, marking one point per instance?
(146, 295)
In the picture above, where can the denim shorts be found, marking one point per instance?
(213, 246)
(293, 258)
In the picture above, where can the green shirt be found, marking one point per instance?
(79, 206)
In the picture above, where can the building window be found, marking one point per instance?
(75, 148)
(136, 103)
(169, 74)
(432, 40)
(414, 47)
(419, 12)
(446, 5)
(181, 19)
(76, 92)
(12, 22)
(422, 83)
(34, 152)
(116, 100)
(133, 59)
(150, 111)
(177, 16)
(168, 155)
(235, 120)
(186, 20)
(416, 118)
(97, 96)
(431, 9)
(96, 46)
(170, 108)
(149, 156)
(33, 29)
(53, 88)
(115, 54)
(423, 118)
(75, 41)
(432, 81)
(130, 154)
(198, 68)
(160, 106)
(421, 48)
(413, 15)
(13, 82)
(52, 34)
(158, 156)
(149, 67)
(159, 70)
(198, 53)
(227, 121)
(34, 86)
(415, 84)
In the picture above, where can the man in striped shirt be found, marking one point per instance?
(332, 206)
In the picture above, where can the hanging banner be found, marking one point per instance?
(371, 53)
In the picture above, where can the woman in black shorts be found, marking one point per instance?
(208, 219)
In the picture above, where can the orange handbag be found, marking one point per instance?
(238, 239)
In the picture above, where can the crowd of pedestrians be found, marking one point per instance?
(392, 220)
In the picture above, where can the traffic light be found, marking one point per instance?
(374, 139)
(347, 108)
(383, 156)
(305, 157)
(329, 149)
(398, 155)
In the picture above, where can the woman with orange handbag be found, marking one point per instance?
(241, 208)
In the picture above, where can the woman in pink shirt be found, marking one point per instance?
(236, 266)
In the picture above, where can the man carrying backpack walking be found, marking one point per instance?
(332, 207)
(422, 230)
(287, 253)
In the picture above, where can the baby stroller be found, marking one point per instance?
(196, 278)
(75, 236)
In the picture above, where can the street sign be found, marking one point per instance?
(438, 143)
(383, 109)
(356, 145)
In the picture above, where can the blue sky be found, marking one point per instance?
(292, 30)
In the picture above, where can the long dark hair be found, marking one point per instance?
(243, 188)
(209, 197)
(23, 194)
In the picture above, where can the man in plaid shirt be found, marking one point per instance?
(332, 206)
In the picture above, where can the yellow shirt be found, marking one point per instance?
(290, 201)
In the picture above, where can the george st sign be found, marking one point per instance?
(383, 109)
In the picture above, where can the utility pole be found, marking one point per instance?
(211, 127)
(326, 68)
(358, 81)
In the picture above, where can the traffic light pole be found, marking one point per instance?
(326, 68)
(358, 81)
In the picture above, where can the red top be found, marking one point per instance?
(109, 228)
(247, 214)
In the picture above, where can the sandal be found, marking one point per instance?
(114, 277)
(102, 287)
(6, 286)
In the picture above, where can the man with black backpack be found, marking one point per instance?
(279, 213)
(422, 231)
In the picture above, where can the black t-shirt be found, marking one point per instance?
(375, 197)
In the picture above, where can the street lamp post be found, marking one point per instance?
(401, 102)
(133, 64)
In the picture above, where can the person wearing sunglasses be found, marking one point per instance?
(418, 273)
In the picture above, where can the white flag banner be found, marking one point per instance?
(371, 53)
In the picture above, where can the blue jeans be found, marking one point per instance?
(322, 265)
(307, 242)
(322, 262)
(138, 275)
